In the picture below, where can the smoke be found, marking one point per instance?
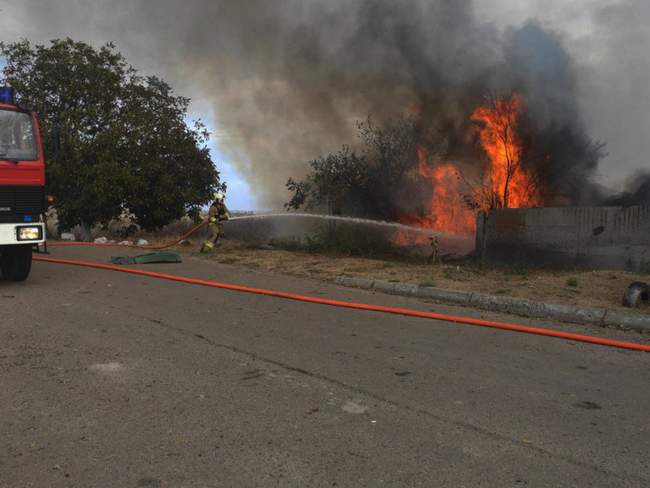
(637, 192)
(614, 84)
(287, 79)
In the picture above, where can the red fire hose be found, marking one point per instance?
(135, 246)
(358, 306)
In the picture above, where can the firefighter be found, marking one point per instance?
(217, 214)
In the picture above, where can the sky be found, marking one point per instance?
(608, 40)
(240, 195)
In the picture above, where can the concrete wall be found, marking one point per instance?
(584, 237)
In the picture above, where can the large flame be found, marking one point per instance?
(505, 182)
(446, 211)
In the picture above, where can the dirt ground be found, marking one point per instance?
(603, 289)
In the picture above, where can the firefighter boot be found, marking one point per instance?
(207, 247)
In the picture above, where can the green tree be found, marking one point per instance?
(334, 181)
(114, 141)
(174, 174)
(391, 151)
(366, 182)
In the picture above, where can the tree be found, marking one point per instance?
(391, 151)
(174, 173)
(362, 182)
(500, 141)
(332, 182)
(114, 141)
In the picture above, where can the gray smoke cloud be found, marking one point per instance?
(614, 86)
(287, 79)
(290, 78)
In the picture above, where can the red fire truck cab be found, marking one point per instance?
(22, 188)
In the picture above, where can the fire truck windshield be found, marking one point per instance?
(17, 137)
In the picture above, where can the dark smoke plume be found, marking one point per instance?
(287, 79)
(637, 193)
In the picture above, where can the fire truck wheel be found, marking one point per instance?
(16, 262)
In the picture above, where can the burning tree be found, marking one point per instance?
(438, 177)
(407, 171)
(446, 206)
(506, 182)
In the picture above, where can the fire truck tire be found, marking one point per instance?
(16, 262)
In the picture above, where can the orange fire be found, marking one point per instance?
(505, 182)
(446, 210)
(449, 213)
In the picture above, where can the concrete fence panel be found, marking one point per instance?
(584, 237)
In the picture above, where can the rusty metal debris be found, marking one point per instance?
(636, 293)
(434, 258)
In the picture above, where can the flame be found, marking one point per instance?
(508, 184)
(449, 212)
(505, 182)
(446, 210)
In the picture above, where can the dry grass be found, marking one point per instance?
(585, 288)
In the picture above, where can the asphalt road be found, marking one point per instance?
(112, 380)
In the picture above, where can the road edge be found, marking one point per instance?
(514, 306)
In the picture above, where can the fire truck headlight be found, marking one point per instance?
(29, 233)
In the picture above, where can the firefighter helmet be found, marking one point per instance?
(219, 197)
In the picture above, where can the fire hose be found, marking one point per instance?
(334, 303)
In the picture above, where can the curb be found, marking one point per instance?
(515, 306)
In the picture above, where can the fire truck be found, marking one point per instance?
(22, 187)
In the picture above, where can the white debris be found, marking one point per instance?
(66, 236)
(143, 242)
(101, 240)
(125, 243)
(354, 408)
(112, 367)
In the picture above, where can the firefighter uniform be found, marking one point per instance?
(216, 215)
